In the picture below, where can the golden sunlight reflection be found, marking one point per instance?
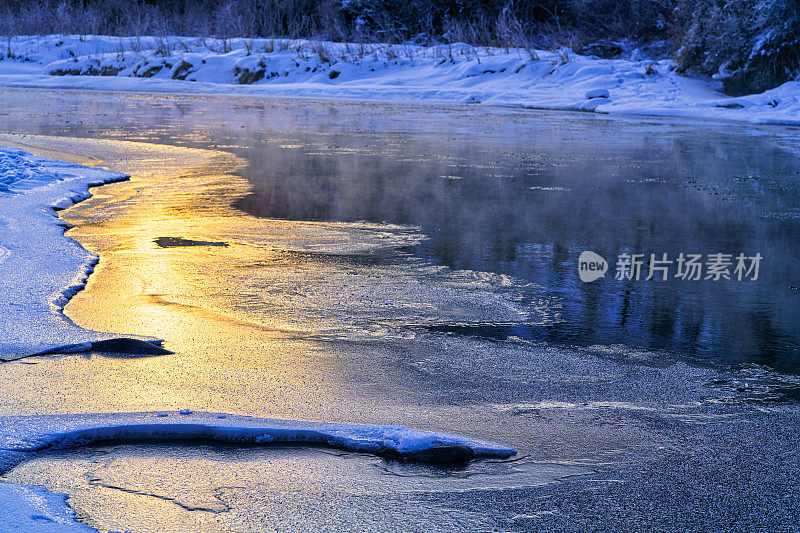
(173, 293)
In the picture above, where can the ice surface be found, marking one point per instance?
(40, 268)
(453, 74)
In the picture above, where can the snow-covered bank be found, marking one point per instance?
(40, 268)
(24, 508)
(443, 74)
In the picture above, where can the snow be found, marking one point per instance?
(598, 93)
(40, 268)
(21, 436)
(24, 508)
(460, 73)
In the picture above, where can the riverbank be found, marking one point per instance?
(459, 73)
(40, 268)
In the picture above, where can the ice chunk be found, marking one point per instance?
(24, 508)
(35, 509)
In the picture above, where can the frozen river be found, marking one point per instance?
(419, 265)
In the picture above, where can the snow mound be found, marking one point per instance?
(23, 436)
(27, 508)
(40, 268)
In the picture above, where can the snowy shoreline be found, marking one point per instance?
(454, 74)
(41, 268)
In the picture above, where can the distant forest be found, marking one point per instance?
(752, 45)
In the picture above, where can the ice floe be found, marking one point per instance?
(22, 436)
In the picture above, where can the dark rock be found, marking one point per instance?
(246, 76)
(732, 105)
(124, 345)
(181, 71)
(152, 71)
(110, 71)
(65, 72)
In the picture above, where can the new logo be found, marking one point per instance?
(591, 266)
